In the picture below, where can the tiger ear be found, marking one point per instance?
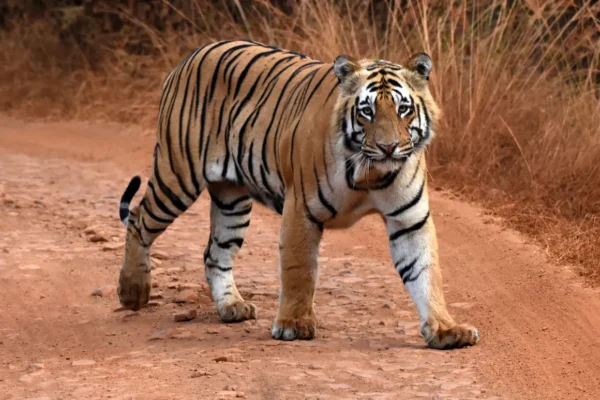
(344, 66)
(421, 64)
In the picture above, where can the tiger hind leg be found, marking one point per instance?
(163, 202)
(229, 220)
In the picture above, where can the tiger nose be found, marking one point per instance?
(388, 148)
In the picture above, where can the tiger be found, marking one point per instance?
(321, 144)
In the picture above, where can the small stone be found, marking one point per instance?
(98, 238)
(464, 306)
(83, 363)
(198, 374)
(154, 284)
(29, 267)
(158, 271)
(113, 246)
(182, 335)
(78, 224)
(156, 296)
(160, 255)
(103, 291)
(172, 285)
(314, 366)
(91, 230)
(186, 296)
(7, 200)
(35, 366)
(229, 358)
(389, 305)
(188, 285)
(154, 303)
(161, 334)
(185, 316)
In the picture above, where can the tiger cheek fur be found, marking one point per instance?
(250, 122)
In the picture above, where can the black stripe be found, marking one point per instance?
(152, 230)
(239, 226)
(154, 216)
(277, 104)
(410, 204)
(406, 270)
(159, 202)
(245, 211)
(331, 92)
(231, 242)
(166, 190)
(188, 150)
(227, 206)
(412, 179)
(223, 56)
(414, 277)
(322, 198)
(244, 72)
(220, 268)
(309, 214)
(427, 120)
(415, 227)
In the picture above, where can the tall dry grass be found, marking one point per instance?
(517, 80)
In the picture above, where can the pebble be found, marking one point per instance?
(103, 291)
(198, 374)
(224, 393)
(162, 334)
(158, 271)
(188, 285)
(83, 363)
(156, 296)
(186, 296)
(229, 358)
(98, 238)
(182, 335)
(29, 267)
(35, 366)
(389, 305)
(160, 255)
(185, 316)
(113, 246)
(79, 224)
(463, 306)
(91, 230)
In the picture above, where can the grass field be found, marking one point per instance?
(518, 83)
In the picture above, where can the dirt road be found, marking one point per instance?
(58, 182)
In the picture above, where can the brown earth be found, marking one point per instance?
(58, 182)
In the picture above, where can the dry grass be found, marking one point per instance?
(518, 86)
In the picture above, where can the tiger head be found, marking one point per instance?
(385, 111)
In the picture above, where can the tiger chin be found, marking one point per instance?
(322, 144)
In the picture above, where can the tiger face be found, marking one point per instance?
(385, 112)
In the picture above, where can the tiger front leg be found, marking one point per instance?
(298, 252)
(415, 255)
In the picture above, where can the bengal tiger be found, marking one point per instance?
(321, 144)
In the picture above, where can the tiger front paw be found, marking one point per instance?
(445, 336)
(134, 289)
(237, 311)
(302, 328)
